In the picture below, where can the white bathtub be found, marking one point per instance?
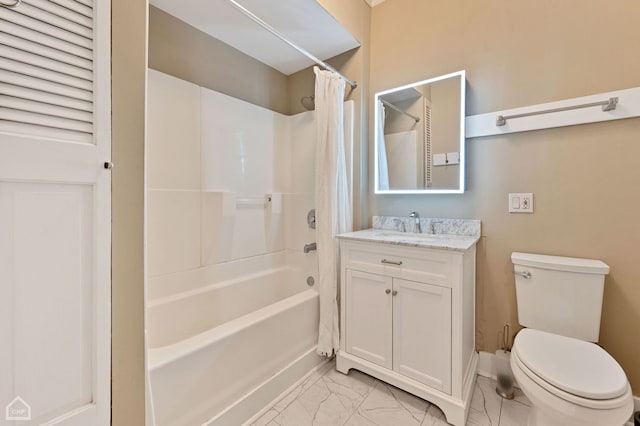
(214, 347)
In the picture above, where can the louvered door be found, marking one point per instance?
(55, 218)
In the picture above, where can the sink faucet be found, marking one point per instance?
(417, 228)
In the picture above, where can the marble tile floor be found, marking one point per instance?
(330, 398)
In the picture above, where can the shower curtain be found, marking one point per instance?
(333, 209)
(383, 168)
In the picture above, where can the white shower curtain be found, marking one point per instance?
(383, 167)
(333, 209)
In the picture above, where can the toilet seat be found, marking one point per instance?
(576, 371)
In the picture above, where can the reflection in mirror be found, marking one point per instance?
(419, 134)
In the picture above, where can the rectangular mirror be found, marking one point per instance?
(419, 134)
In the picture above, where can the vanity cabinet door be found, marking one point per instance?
(368, 319)
(422, 333)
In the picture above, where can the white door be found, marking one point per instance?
(55, 212)
(368, 317)
(422, 333)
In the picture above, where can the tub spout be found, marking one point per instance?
(309, 247)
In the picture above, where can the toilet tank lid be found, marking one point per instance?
(558, 263)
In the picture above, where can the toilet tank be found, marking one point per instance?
(560, 295)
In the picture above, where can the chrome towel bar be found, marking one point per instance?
(608, 105)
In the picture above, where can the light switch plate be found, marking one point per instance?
(453, 158)
(521, 202)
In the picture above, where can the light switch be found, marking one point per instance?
(515, 203)
(439, 159)
(453, 158)
(521, 203)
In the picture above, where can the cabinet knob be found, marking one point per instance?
(395, 292)
(387, 291)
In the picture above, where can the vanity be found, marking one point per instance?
(408, 308)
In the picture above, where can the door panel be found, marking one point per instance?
(47, 295)
(368, 317)
(422, 333)
(55, 213)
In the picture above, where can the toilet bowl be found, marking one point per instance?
(570, 381)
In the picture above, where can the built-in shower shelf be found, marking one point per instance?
(230, 198)
(254, 201)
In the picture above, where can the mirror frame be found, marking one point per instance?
(463, 160)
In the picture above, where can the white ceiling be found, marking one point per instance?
(304, 22)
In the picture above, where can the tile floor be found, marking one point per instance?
(330, 398)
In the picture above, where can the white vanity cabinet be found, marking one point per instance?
(408, 318)
(422, 333)
(403, 325)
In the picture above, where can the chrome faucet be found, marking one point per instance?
(309, 247)
(417, 228)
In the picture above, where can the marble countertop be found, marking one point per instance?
(435, 241)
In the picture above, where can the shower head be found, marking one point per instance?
(308, 102)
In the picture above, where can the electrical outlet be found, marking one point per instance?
(521, 202)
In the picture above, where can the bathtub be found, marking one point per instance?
(219, 353)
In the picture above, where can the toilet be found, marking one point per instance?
(568, 379)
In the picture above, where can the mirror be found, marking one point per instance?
(419, 134)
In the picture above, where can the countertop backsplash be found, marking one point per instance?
(467, 227)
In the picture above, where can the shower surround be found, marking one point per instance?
(231, 321)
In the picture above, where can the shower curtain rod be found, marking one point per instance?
(392, 106)
(278, 34)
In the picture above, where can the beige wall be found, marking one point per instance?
(129, 69)
(585, 178)
(181, 50)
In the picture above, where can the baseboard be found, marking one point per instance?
(486, 366)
